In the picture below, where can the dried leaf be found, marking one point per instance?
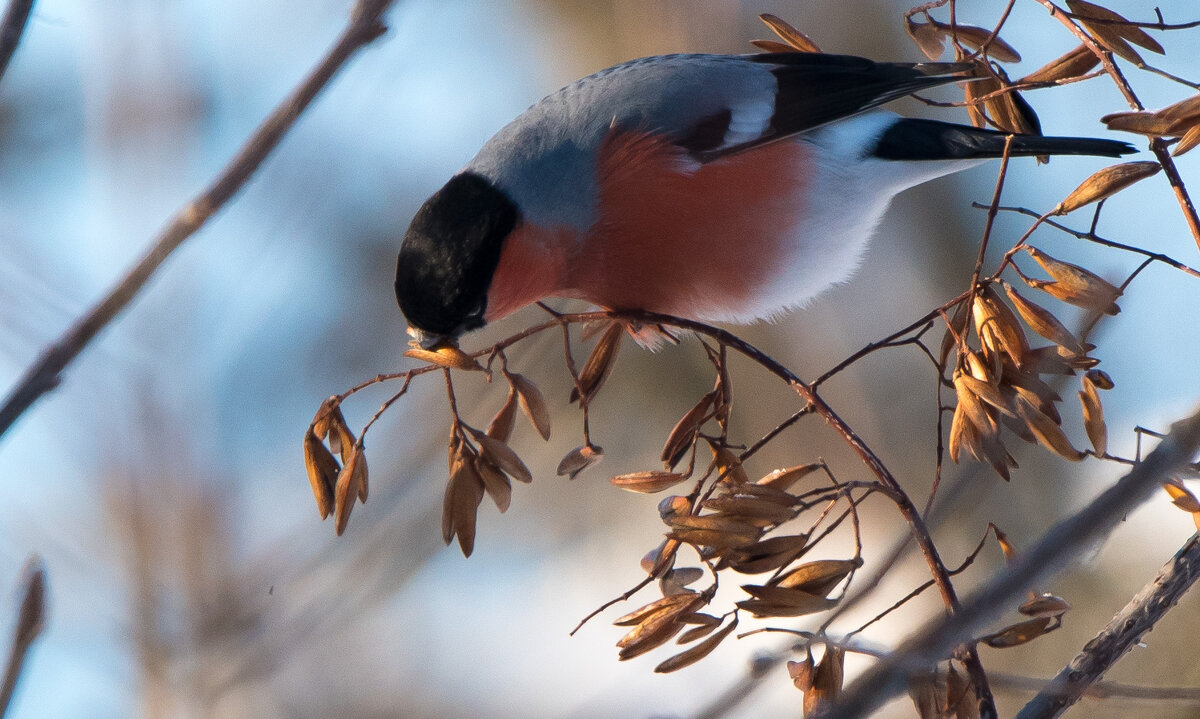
(974, 38)
(1045, 605)
(801, 672)
(495, 483)
(783, 479)
(928, 38)
(1106, 183)
(647, 482)
(683, 435)
(501, 426)
(1190, 139)
(1074, 284)
(446, 356)
(599, 363)
(1019, 633)
(819, 577)
(1182, 497)
(532, 404)
(1114, 34)
(696, 653)
(1040, 320)
(789, 34)
(578, 460)
(827, 681)
(1093, 417)
(1075, 63)
(322, 472)
(501, 455)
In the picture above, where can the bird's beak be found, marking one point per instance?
(431, 340)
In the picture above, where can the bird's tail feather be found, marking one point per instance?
(915, 139)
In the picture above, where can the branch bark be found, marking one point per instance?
(11, 29)
(1120, 635)
(1063, 542)
(44, 375)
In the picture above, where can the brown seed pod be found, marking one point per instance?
(1019, 633)
(599, 363)
(997, 326)
(446, 356)
(1047, 432)
(729, 467)
(647, 482)
(1186, 110)
(827, 681)
(790, 35)
(801, 672)
(654, 609)
(661, 558)
(766, 555)
(772, 46)
(464, 493)
(783, 479)
(1181, 496)
(322, 472)
(696, 653)
(495, 483)
(347, 490)
(1041, 320)
(750, 509)
(927, 37)
(1114, 33)
(957, 328)
(501, 426)
(974, 38)
(1074, 284)
(778, 602)
(1075, 63)
(683, 435)
(532, 404)
(1045, 605)
(716, 538)
(1100, 379)
(1093, 417)
(1190, 139)
(819, 577)
(502, 456)
(578, 460)
(1106, 183)
(1141, 123)
(329, 414)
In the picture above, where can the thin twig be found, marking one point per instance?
(31, 618)
(1058, 547)
(11, 29)
(45, 373)
(1120, 635)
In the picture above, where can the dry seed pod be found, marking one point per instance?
(1019, 633)
(532, 404)
(712, 522)
(683, 435)
(790, 35)
(446, 357)
(599, 363)
(1040, 320)
(827, 681)
(760, 491)
(1190, 139)
(464, 493)
(801, 672)
(777, 602)
(1074, 284)
(750, 509)
(783, 479)
(983, 421)
(1181, 497)
(1073, 64)
(729, 467)
(767, 555)
(956, 329)
(1187, 110)
(696, 653)
(653, 609)
(329, 414)
(501, 426)
(346, 491)
(960, 696)
(974, 38)
(1100, 379)
(322, 472)
(926, 695)
(1006, 547)
(1114, 34)
(502, 456)
(1106, 183)
(997, 326)
(661, 558)
(674, 506)
(495, 483)
(963, 434)
(819, 577)
(1048, 433)
(1045, 605)
(676, 581)
(772, 46)
(1047, 360)
(994, 396)
(716, 538)
(1142, 123)
(973, 91)
(1093, 417)
(647, 482)
(697, 632)
(578, 460)
(928, 38)
(642, 639)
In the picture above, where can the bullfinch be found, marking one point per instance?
(721, 188)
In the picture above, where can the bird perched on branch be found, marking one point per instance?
(712, 187)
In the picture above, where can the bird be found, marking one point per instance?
(718, 188)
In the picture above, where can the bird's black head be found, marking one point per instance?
(449, 255)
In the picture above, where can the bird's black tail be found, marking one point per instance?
(912, 139)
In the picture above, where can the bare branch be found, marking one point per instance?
(1063, 542)
(11, 29)
(30, 621)
(45, 374)
(1119, 635)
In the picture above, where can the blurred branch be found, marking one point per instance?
(11, 29)
(30, 620)
(1063, 542)
(1120, 635)
(44, 375)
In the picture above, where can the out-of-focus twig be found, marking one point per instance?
(1119, 635)
(1063, 542)
(11, 29)
(30, 620)
(364, 26)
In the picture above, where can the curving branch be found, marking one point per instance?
(45, 374)
(1063, 542)
(11, 29)
(1119, 636)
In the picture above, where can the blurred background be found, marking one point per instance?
(163, 483)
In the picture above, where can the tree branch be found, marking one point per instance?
(1064, 541)
(1120, 635)
(11, 29)
(31, 617)
(45, 374)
